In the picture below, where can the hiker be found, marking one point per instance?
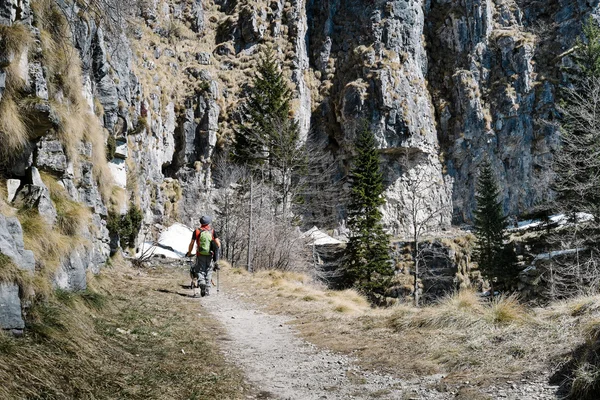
(207, 250)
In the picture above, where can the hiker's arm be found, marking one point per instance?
(191, 247)
(218, 242)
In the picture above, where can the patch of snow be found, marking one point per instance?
(560, 219)
(172, 242)
(318, 237)
(552, 254)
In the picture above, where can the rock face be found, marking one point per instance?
(373, 55)
(493, 74)
(11, 246)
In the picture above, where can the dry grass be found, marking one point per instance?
(457, 336)
(49, 246)
(10, 273)
(13, 131)
(77, 123)
(129, 336)
(15, 38)
(95, 135)
(73, 218)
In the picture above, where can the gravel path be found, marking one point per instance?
(284, 366)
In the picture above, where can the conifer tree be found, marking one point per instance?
(587, 51)
(264, 112)
(367, 259)
(494, 257)
(268, 136)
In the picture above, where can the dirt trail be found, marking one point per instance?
(283, 366)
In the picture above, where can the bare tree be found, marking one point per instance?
(419, 212)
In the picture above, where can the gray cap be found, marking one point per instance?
(205, 220)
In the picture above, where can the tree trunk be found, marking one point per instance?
(416, 286)
(249, 254)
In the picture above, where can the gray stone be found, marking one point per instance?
(11, 243)
(38, 84)
(37, 197)
(35, 178)
(203, 58)
(50, 155)
(197, 16)
(2, 82)
(10, 307)
(121, 150)
(71, 275)
(12, 185)
(88, 190)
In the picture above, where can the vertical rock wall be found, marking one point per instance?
(371, 61)
(494, 71)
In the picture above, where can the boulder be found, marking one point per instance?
(71, 275)
(10, 307)
(12, 186)
(11, 243)
(50, 155)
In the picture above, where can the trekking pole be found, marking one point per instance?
(218, 270)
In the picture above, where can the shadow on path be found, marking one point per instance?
(177, 293)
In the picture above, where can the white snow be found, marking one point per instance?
(177, 237)
(318, 237)
(560, 219)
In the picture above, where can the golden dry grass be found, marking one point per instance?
(14, 133)
(458, 336)
(129, 336)
(15, 38)
(73, 218)
(49, 246)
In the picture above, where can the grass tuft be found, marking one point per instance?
(14, 38)
(14, 133)
(72, 217)
(49, 246)
(506, 310)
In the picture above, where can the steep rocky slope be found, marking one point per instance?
(155, 85)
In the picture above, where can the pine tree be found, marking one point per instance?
(268, 136)
(587, 51)
(367, 259)
(264, 112)
(494, 257)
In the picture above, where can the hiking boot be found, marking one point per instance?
(203, 290)
(207, 291)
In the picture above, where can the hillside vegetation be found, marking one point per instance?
(128, 336)
(463, 336)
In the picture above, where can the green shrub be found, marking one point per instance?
(126, 226)
(111, 148)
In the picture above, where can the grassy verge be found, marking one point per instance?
(463, 337)
(130, 336)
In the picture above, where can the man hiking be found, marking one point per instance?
(207, 250)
